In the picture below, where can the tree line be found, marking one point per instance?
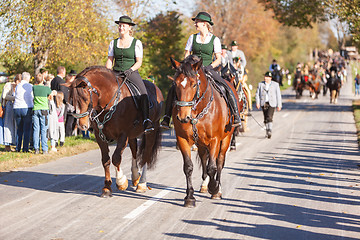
(76, 34)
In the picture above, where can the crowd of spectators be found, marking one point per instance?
(37, 110)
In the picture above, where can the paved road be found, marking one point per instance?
(302, 184)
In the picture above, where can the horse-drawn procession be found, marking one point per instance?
(327, 74)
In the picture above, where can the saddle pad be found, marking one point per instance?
(135, 93)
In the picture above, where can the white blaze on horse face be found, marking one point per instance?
(184, 82)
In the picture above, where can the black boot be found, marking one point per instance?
(234, 109)
(147, 123)
(165, 123)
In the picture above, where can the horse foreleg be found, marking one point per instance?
(202, 151)
(185, 149)
(135, 174)
(213, 186)
(105, 159)
(121, 180)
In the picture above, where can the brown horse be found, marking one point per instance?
(201, 117)
(103, 100)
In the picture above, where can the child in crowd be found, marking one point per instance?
(60, 110)
(53, 121)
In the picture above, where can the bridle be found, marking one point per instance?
(194, 102)
(90, 106)
(91, 112)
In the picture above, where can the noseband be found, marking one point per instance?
(196, 99)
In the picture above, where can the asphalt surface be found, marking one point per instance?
(303, 183)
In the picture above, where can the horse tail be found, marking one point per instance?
(148, 154)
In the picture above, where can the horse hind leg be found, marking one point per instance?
(233, 142)
(142, 185)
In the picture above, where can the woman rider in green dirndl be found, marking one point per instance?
(125, 58)
(204, 44)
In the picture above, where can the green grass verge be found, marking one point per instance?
(73, 145)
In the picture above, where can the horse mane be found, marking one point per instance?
(77, 95)
(186, 68)
(96, 67)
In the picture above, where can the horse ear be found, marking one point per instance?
(232, 80)
(170, 77)
(175, 63)
(197, 66)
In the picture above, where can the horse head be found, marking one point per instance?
(187, 79)
(81, 93)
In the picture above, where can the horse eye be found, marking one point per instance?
(194, 85)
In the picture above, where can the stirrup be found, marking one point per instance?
(148, 125)
(165, 123)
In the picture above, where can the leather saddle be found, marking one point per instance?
(135, 93)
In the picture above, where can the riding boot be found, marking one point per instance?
(165, 123)
(147, 123)
(234, 109)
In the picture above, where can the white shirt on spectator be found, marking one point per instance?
(24, 97)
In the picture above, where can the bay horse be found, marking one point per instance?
(102, 99)
(200, 117)
(334, 85)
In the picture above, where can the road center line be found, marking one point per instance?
(137, 211)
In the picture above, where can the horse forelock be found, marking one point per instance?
(186, 66)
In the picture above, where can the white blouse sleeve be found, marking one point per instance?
(111, 49)
(189, 43)
(217, 45)
(138, 49)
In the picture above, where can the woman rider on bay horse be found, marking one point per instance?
(204, 44)
(125, 58)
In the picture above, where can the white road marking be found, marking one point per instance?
(285, 115)
(137, 211)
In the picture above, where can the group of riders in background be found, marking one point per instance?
(327, 73)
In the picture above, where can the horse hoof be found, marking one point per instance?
(203, 189)
(190, 203)
(217, 196)
(136, 181)
(141, 188)
(123, 186)
(106, 193)
(232, 148)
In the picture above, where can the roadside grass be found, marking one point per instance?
(73, 145)
(356, 109)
